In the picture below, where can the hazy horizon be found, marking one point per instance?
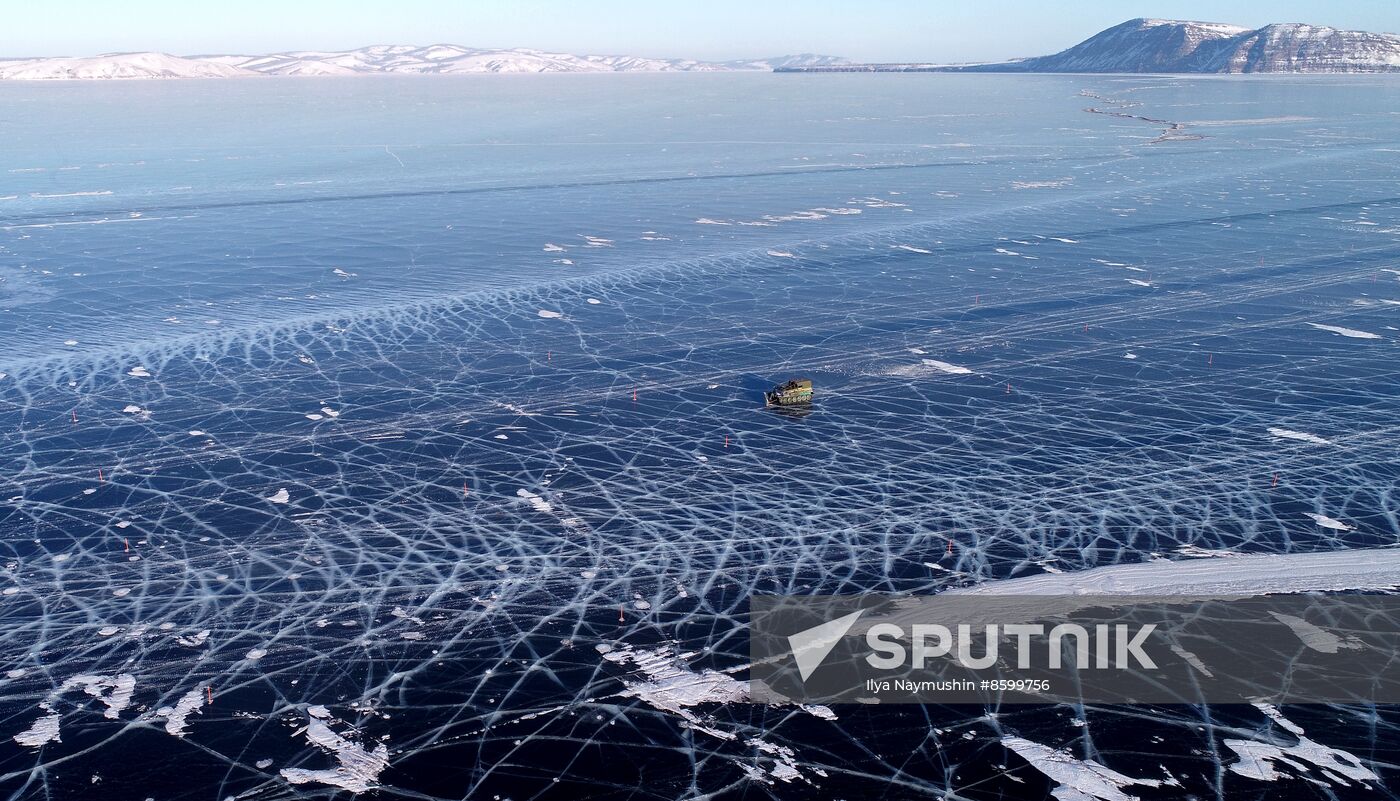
(880, 30)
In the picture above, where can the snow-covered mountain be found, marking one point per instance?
(1159, 45)
(440, 59)
(1302, 48)
(115, 65)
(787, 62)
(1166, 45)
(447, 59)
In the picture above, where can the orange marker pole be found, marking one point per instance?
(99, 475)
(634, 396)
(209, 695)
(726, 440)
(620, 618)
(126, 545)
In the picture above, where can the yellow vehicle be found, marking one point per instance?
(794, 393)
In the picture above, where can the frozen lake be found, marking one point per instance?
(407, 432)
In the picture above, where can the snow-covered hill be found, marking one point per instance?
(1302, 48)
(116, 65)
(448, 59)
(1157, 45)
(1165, 45)
(440, 59)
(787, 62)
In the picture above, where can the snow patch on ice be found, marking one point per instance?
(114, 692)
(669, 684)
(1301, 436)
(1328, 522)
(1316, 637)
(540, 504)
(945, 367)
(44, 730)
(1077, 779)
(175, 716)
(1261, 760)
(1346, 332)
(358, 769)
(1192, 660)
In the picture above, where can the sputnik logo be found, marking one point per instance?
(810, 647)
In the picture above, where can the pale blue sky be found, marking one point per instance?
(867, 30)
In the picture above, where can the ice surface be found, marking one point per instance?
(488, 494)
